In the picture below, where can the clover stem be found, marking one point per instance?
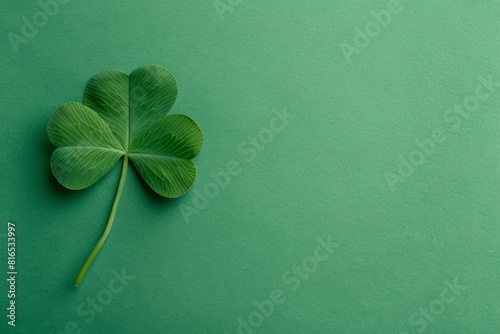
(98, 247)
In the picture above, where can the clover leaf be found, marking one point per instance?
(125, 116)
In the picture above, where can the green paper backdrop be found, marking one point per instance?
(349, 180)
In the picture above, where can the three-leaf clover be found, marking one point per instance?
(125, 116)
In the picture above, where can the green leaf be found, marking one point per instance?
(107, 93)
(77, 167)
(125, 116)
(161, 153)
(87, 148)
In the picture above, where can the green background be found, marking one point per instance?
(323, 175)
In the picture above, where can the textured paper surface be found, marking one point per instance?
(316, 132)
